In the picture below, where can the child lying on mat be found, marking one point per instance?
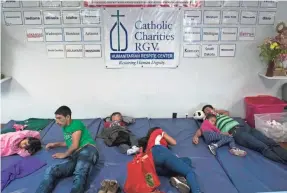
(215, 139)
(23, 143)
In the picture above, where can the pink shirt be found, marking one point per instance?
(207, 126)
(10, 142)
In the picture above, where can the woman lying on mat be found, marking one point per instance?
(167, 163)
(23, 143)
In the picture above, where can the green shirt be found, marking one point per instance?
(225, 123)
(74, 126)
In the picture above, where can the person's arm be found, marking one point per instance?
(198, 134)
(222, 112)
(170, 140)
(60, 144)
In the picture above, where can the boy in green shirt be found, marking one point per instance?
(82, 154)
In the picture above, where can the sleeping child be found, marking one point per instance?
(215, 139)
(116, 133)
(23, 143)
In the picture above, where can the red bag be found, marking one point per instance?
(141, 175)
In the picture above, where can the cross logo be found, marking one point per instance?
(116, 30)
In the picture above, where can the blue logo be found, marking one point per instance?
(118, 27)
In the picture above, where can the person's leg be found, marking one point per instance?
(217, 138)
(123, 148)
(165, 158)
(86, 159)
(133, 140)
(245, 139)
(53, 174)
(161, 171)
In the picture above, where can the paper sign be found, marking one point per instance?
(73, 34)
(91, 16)
(13, 17)
(32, 17)
(55, 51)
(92, 34)
(35, 35)
(230, 17)
(54, 34)
(266, 17)
(30, 3)
(70, 4)
(192, 34)
(253, 3)
(49, 3)
(71, 17)
(227, 50)
(210, 34)
(192, 17)
(52, 17)
(74, 51)
(268, 4)
(11, 4)
(93, 51)
(212, 3)
(231, 3)
(209, 51)
(191, 51)
(248, 17)
(229, 34)
(247, 33)
(211, 17)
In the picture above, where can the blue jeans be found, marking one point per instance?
(164, 159)
(219, 139)
(80, 165)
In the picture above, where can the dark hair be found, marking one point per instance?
(206, 106)
(144, 140)
(63, 110)
(34, 145)
(115, 113)
(208, 116)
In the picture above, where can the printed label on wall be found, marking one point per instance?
(32, 17)
(35, 35)
(92, 34)
(268, 4)
(254, 3)
(248, 17)
(93, 51)
(227, 50)
(231, 3)
(30, 3)
(229, 34)
(54, 34)
(209, 51)
(230, 17)
(211, 17)
(74, 51)
(192, 17)
(55, 51)
(49, 3)
(91, 16)
(247, 33)
(266, 17)
(71, 17)
(11, 4)
(52, 17)
(13, 17)
(191, 51)
(212, 3)
(73, 34)
(192, 34)
(210, 34)
(70, 4)
(142, 37)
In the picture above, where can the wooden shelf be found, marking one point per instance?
(273, 77)
(5, 79)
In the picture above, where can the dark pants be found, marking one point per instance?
(257, 141)
(124, 147)
(219, 139)
(164, 159)
(80, 165)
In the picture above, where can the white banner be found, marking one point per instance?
(142, 37)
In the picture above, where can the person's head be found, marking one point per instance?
(116, 116)
(31, 144)
(63, 116)
(144, 140)
(211, 118)
(207, 109)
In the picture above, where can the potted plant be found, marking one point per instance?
(274, 50)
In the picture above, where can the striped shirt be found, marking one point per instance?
(225, 123)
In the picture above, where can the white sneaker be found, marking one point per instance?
(131, 151)
(135, 148)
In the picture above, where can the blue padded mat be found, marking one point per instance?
(30, 183)
(210, 175)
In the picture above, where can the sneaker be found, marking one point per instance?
(136, 148)
(104, 186)
(212, 149)
(132, 151)
(180, 184)
(113, 187)
(238, 152)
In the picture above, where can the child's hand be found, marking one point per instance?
(195, 140)
(59, 156)
(50, 146)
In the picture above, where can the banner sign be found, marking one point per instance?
(142, 37)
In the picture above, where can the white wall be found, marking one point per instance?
(40, 84)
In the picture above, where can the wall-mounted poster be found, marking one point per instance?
(248, 17)
(209, 50)
(191, 51)
(93, 51)
(52, 17)
(192, 17)
(91, 16)
(72, 34)
(210, 34)
(54, 34)
(92, 34)
(71, 17)
(227, 50)
(229, 33)
(74, 51)
(246, 33)
(13, 17)
(211, 17)
(32, 17)
(35, 35)
(266, 17)
(230, 17)
(55, 51)
(192, 34)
